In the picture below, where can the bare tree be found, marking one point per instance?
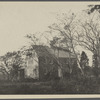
(68, 29)
(89, 36)
(37, 38)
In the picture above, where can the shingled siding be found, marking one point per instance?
(47, 69)
(67, 64)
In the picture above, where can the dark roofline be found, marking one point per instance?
(59, 48)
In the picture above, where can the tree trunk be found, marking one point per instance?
(78, 62)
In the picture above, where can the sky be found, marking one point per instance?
(20, 18)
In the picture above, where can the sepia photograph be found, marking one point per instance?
(49, 48)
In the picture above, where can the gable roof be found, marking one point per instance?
(61, 48)
(50, 52)
(43, 50)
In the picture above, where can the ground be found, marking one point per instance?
(51, 87)
(26, 88)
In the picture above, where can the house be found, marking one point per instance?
(42, 62)
(66, 59)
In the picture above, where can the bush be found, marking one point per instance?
(77, 86)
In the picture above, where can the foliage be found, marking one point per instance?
(94, 61)
(33, 38)
(77, 86)
(94, 8)
(84, 60)
(76, 73)
(12, 63)
(55, 42)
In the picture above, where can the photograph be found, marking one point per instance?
(49, 48)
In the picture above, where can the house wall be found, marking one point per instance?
(63, 54)
(32, 68)
(47, 68)
(66, 59)
(60, 53)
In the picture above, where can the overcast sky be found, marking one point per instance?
(20, 18)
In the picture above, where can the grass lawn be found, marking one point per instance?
(67, 87)
(26, 88)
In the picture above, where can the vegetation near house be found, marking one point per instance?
(84, 61)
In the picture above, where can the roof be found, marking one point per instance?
(61, 48)
(43, 50)
(50, 52)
